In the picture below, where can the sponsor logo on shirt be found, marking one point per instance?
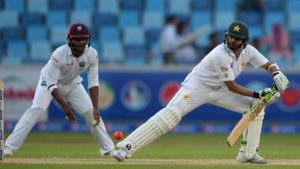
(224, 69)
(69, 64)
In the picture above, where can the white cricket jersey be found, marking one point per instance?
(64, 68)
(221, 65)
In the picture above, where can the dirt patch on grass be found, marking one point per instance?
(143, 161)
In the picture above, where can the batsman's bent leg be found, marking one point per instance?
(162, 122)
(100, 134)
(23, 127)
(253, 135)
(250, 143)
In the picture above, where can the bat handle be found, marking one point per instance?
(269, 95)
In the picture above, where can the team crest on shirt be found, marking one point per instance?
(224, 69)
(243, 65)
(81, 64)
(44, 83)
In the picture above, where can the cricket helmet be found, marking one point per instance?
(78, 38)
(238, 29)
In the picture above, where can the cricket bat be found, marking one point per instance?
(247, 118)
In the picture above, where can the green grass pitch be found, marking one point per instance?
(171, 151)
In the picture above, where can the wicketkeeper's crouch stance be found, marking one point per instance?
(212, 81)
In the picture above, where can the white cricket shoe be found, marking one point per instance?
(120, 155)
(257, 159)
(109, 153)
(8, 152)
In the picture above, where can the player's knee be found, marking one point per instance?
(166, 119)
(33, 114)
(89, 117)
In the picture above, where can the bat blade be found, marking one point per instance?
(244, 122)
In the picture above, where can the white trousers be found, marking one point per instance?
(187, 99)
(79, 100)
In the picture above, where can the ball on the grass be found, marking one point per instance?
(118, 135)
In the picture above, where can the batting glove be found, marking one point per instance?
(275, 97)
(262, 93)
(280, 81)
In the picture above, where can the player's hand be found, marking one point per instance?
(280, 81)
(69, 114)
(274, 98)
(264, 92)
(96, 117)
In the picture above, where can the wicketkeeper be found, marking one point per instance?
(213, 81)
(60, 79)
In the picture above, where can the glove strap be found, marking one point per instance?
(275, 73)
(256, 95)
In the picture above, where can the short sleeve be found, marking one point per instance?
(93, 79)
(256, 58)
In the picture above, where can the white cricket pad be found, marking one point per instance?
(252, 135)
(162, 122)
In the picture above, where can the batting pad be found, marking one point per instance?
(252, 135)
(162, 122)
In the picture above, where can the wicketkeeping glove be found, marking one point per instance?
(280, 81)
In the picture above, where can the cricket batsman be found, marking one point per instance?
(213, 81)
(60, 79)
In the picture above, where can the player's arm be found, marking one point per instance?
(94, 94)
(236, 88)
(69, 112)
(93, 83)
(52, 78)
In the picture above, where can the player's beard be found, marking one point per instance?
(77, 51)
(234, 46)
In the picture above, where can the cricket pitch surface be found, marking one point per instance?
(142, 161)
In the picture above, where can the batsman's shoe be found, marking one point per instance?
(120, 155)
(110, 153)
(8, 152)
(257, 159)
